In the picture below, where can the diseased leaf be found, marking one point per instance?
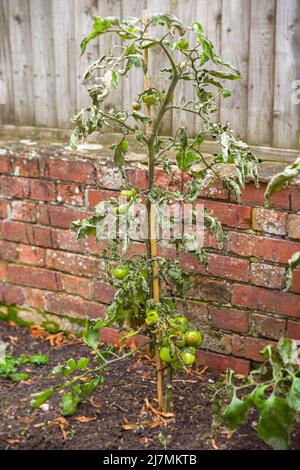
(236, 412)
(69, 403)
(119, 155)
(293, 262)
(41, 397)
(91, 335)
(275, 422)
(293, 397)
(279, 181)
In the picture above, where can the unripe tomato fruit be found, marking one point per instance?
(120, 272)
(181, 321)
(133, 192)
(193, 338)
(136, 106)
(120, 210)
(149, 99)
(180, 340)
(191, 349)
(187, 358)
(144, 273)
(126, 194)
(165, 354)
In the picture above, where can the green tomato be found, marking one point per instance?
(176, 365)
(180, 340)
(165, 355)
(144, 273)
(149, 99)
(120, 272)
(187, 358)
(133, 192)
(126, 194)
(193, 338)
(191, 349)
(182, 322)
(136, 106)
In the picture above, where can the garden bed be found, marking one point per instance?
(116, 416)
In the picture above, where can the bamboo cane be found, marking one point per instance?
(153, 245)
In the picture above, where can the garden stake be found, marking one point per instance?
(152, 233)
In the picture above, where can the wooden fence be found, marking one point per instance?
(41, 66)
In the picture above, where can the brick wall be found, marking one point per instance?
(238, 301)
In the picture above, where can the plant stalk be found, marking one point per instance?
(168, 406)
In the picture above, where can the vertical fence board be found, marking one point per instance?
(235, 48)
(287, 70)
(185, 10)
(6, 69)
(111, 8)
(21, 60)
(261, 67)
(64, 54)
(84, 10)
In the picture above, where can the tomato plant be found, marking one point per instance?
(148, 285)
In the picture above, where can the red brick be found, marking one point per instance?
(42, 190)
(32, 255)
(113, 336)
(34, 277)
(78, 286)
(266, 300)
(214, 189)
(210, 289)
(34, 298)
(66, 240)
(23, 211)
(138, 177)
(95, 196)
(229, 319)
(293, 329)
(74, 264)
(71, 194)
(3, 209)
(3, 271)
(63, 216)
(195, 311)
(232, 215)
(210, 241)
(269, 221)
(24, 166)
(266, 248)
(72, 306)
(11, 295)
(269, 327)
(70, 170)
(8, 250)
(294, 194)
(220, 362)
(4, 164)
(267, 275)
(293, 226)
(296, 281)
(220, 266)
(248, 347)
(104, 292)
(14, 187)
(27, 233)
(256, 196)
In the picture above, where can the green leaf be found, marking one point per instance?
(91, 335)
(18, 377)
(82, 363)
(279, 181)
(141, 117)
(224, 75)
(100, 26)
(170, 21)
(288, 351)
(182, 44)
(40, 359)
(236, 412)
(275, 423)
(69, 403)
(41, 397)
(293, 397)
(186, 159)
(120, 152)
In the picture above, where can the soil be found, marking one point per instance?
(117, 404)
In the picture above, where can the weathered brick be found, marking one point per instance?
(269, 327)
(70, 170)
(42, 190)
(266, 248)
(34, 298)
(248, 347)
(63, 216)
(138, 177)
(95, 196)
(109, 177)
(293, 226)
(256, 196)
(113, 336)
(267, 275)
(218, 265)
(66, 240)
(74, 264)
(11, 295)
(4, 164)
(104, 292)
(65, 304)
(229, 319)
(232, 215)
(71, 194)
(266, 300)
(27, 233)
(42, 214)
(34, 277)
(32, 255)
(14, 187)
(8, 250)
(294, 194)
(195, 311)
(25, 166)
(269, 221)
(220, 362)
(23, 211)
(3, 271)
(78, 286)
(293, 329)
(296, 281)
(210, 289)
(3, 209)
